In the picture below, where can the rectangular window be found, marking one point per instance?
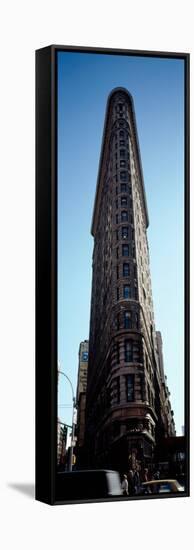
(128, 351)
(117, 252)
(116, 190)
(130, 387)
(136, 351)
(141, 383)
(117, 271)
(122, 164)
(125, 250)
(137, 321)
(123, 201)
(117, 218)
(118, 389)
(123, 176)
(127, 320)
(122, 153)
(118, 352)
(116, 203)
(126, 292)
(118, 322)
(122, 142)
(125, 270)
(121, 133)
(117, 235)
(117, 293)
(123, 187)
(125, 232)
(124, 216)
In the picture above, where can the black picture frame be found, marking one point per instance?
(46, 265)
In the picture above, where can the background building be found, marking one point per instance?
(81, 400)
(61, 443)
(127, 404)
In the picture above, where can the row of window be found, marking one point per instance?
(123, 201)
(129, 387)
(124, 214)
(125, 230)
(127, 322)
(127, 292)
(122, 164)
(132, 350)
(120, 135)
(123, 188)
(121, 143)
(123, 153)
(120, 107)
(127, 250)
(125, 233)
(124, 176)
(126, 270)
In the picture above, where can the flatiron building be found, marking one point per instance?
(126, 409)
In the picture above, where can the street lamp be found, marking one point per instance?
(73, 423)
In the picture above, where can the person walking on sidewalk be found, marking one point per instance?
(124, 486)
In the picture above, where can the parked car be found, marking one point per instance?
(88, 484)
(158, 486)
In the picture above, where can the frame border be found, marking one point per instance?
(46, 267)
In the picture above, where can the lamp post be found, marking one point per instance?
(73, 423)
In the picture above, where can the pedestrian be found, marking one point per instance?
(124, 486)
(137, 482)
(130, 482)
(145, 476)
(155, 477)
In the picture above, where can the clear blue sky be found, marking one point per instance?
(157, 87)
